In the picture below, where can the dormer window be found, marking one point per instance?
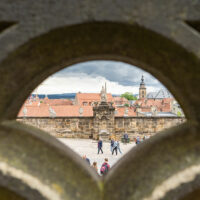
(85, 103)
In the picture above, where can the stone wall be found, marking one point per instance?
(72, 127)
(140, 126)
(83, 127)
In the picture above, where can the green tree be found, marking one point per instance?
(179, 114)
(129, 96)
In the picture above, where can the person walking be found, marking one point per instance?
(105, 167)
(114, 147)
(94, 165)
(100, 145)
(111, 145)
(118, 147)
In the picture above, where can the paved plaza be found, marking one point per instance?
(89, 148)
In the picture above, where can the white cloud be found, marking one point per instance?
(90, 76)
(84, 83)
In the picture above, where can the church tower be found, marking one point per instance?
(142, 89)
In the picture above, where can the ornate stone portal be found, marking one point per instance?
(103, 118)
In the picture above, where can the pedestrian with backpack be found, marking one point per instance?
(114, 147)
(100, 145)
(105, 167)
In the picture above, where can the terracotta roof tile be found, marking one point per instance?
(120, 112)
(120, 100)
(61, 107)
(91, 97)
(54, 102)
(162, 105)
(60, 111)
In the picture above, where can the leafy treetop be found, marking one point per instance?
(129, 96)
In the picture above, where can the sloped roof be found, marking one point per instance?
(120, 100)
(161, 94)
(55, 102)
(91, 97)
(125, 111)
(60, 111)
(159, 114)
(163, 105)
(68, 111)
(151, 95)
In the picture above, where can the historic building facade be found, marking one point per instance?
(97, 115)
(90, 127)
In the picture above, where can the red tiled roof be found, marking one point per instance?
(91, 97)
(67, 111)
(61, 107)
(46, 101)
(73, 111)
(60, 111)
(120, 100)
(163, 105)
(54, 102)
(34, 111)
(120, 112)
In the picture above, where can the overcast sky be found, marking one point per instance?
(90, 76)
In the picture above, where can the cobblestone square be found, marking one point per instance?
(89, 148)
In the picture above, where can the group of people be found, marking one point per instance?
(114, 146)
(105, 167)
(139, 140)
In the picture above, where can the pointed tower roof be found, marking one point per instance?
(142, 84)
(103, 95)
(142, 80)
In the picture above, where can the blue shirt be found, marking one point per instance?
(100, 144)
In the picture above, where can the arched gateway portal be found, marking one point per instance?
(163, 48)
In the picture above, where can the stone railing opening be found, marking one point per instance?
(41, 38)
(101, 100)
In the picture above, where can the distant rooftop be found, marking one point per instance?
(159, 114)
(161, 94)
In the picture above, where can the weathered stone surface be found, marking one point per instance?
(89, 127)
(50, 35)
(7, 194)
(104, 119)
(157, 159)
(36, 18)
(58, 170)
(49, 51)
